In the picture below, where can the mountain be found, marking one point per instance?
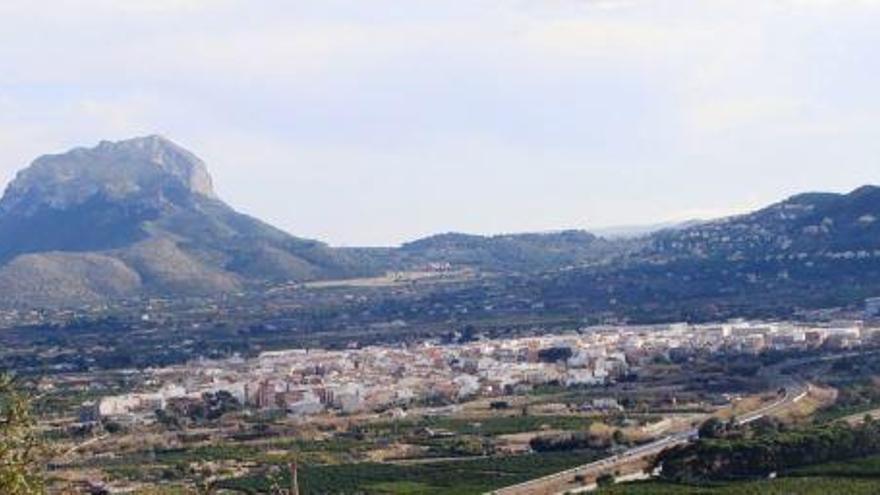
(812, 250)
(806, 225)
(510, 252)
(814, 225)
(139, 217)
(526, 253)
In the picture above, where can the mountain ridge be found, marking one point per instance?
(140, 217)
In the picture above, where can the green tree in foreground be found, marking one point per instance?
(21, 451)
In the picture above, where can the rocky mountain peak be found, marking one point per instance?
(139, 217)
(112, 170)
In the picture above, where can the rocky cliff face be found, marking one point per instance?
(132, 170)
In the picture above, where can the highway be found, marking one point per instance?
(564, 481)
(561, 482)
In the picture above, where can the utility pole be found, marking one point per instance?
(294, 478)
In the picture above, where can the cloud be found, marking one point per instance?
(390, 119)
(74, 9)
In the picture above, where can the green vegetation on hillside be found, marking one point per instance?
(466, 477)
(783, 486)
(750, 453)
(853, 477)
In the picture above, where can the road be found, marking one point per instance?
(795, 390)
(564, 481)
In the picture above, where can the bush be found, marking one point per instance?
(606, 479)
(757, 455)
(712, 428)
(568, 441)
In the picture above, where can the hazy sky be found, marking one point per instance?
(374, 122)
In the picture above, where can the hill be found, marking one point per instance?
(810, 251)
(806, 225)
(531, 252)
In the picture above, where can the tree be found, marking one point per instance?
(21, 451)
(555, 354)
(736, 456)
(618, 437)
(606, 479)
(712, 428)
(568, 441)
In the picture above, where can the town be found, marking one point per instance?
(387, 378)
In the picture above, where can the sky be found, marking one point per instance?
(377, 122)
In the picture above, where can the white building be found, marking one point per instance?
(350, 398)
(582, 377)
(309, 404)
(468, 385)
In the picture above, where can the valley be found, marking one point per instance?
(544, 404)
